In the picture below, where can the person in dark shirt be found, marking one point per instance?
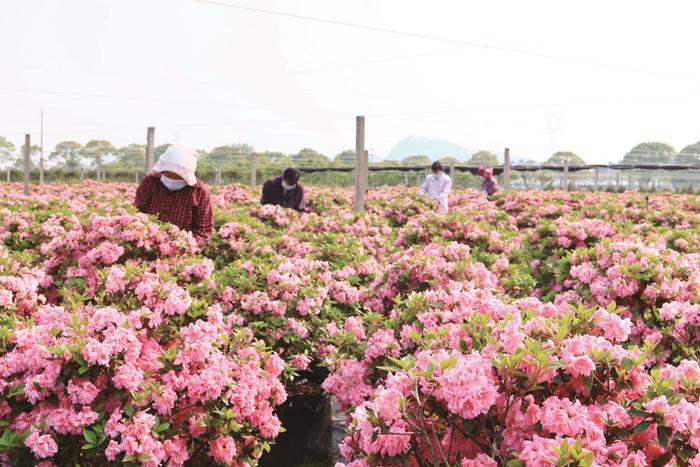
(285, 191)
(173, 193)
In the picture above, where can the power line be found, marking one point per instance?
(372, 62)
(445, 39)
(121, 97)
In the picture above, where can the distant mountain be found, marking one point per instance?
(433, 148)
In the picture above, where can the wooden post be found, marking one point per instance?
(150, 137)
(629, 180)
(566, 174)
(41, 154)
(217, 177)
(253, 170)
(506, 169)
(361, 164)
(595, 179)
(405, 178)
(27, 153)
(98, 174)
(617, 176)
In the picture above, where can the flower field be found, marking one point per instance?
(532, 329)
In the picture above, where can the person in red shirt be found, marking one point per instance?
(489, 186)
(175, 195)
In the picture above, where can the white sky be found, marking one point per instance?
(207, 75)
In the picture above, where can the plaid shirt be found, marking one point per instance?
(188, 208)
(489, 186)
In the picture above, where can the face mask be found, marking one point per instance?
(171, 184)
(287, 187)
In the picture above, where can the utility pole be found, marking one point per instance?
(41, 154)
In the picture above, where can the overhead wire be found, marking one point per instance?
(364, 27)
(462, 42)
(121, 97)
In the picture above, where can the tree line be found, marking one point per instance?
(72, 155)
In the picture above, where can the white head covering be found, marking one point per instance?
(180, 159)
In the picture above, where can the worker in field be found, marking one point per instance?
(285, 191)
(173, 193)
(437, 186)
(489, 186)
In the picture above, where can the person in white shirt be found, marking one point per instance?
(437, 186)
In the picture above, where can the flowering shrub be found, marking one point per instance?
(109, 385)
(479, 382)
(537, 328)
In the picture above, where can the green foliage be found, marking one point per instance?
(34, 151)
(67, 155)
(96, 151)
(227, 155)
(6, 150)
(309, 157)
(558, 158)
(346, 157)
(416, 160)
(132, 156)
(651, 152)
(483, 158)
(689, 154)
(448, 161)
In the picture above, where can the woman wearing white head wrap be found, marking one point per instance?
(173, 193)
(180, 160)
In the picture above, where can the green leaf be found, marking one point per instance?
(664, 433)
(430, 370)
(448, 363)
(128, 409)
(162, 427)
(90, 437)
(586, 459)
(397, 362)
(12, 439)
(16, 390)
(663, 460)
(414, 336)
(469, 427)
(642, 426)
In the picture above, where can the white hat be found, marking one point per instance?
(180, 159)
